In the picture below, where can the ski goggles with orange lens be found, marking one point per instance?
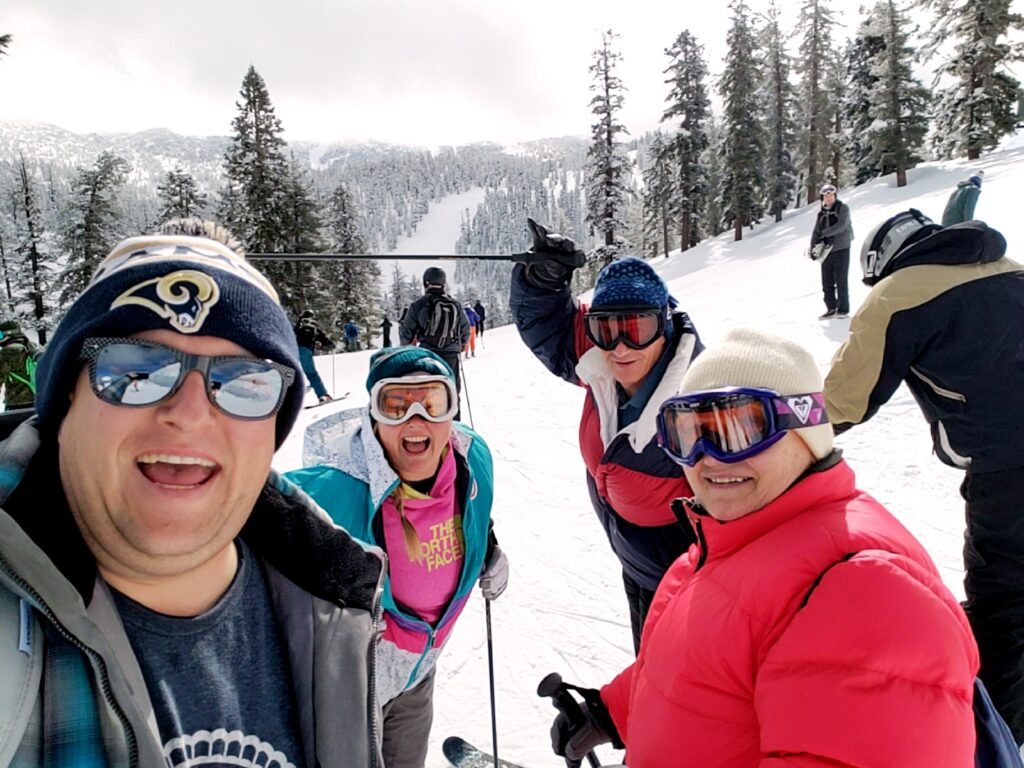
(395, 401)
(637, 329)
(137, 374)
(733, 424)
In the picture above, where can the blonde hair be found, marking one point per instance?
(409, 533)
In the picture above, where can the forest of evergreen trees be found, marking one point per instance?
(798, 107)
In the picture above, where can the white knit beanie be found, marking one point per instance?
(747, 357)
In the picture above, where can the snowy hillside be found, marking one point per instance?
(564, 610)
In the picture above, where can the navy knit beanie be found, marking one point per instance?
(629, 283)
(189, 283)
(976, 178)
(395, 362)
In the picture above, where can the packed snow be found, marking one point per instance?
(564, 609)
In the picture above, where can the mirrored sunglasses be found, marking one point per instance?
(733, 424)
(635, 329)
(138, 374)
(395, 401)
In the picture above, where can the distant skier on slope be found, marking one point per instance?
(436, 322)
(311, 337)
(833, 231)
(629, 348)
(962, 200)
(474, 323)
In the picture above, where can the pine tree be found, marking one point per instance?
(817, 104)
(978, 107)
(256, 171)
(743, 181)
(689, 103)
(608, 167)
(780, 171)
(5, 41)
(353, 284)
(861, 79)
(93, 224)
(179, 196)
(298, 232)
(715, 175)
(32, 257)
(898, 100)
(659, 195)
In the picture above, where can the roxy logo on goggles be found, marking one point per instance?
(137, 374)
(395, 401)
(733, 424)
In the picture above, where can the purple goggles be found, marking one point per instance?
(734, 423)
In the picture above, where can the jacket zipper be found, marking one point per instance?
(378, 611)
(105, 689)
(702, 544)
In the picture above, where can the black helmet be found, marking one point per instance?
(890, 237)
(434, 276)
(306, 313)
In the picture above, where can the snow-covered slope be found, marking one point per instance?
(564, 609)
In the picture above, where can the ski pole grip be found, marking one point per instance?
(553, 688)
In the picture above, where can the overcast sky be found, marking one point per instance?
(423, 72)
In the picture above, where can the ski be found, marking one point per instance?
(462, 754)
(337, 399)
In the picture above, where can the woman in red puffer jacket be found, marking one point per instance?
(807, 627)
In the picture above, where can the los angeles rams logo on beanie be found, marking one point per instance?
(188, 280)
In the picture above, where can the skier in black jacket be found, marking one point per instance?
(945, 316)
(438, 323)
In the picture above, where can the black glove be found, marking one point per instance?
(573, 738)
(551, 259)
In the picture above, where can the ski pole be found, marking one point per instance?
(465, 388)
(390, 256)
(490, 674)
(553, 688)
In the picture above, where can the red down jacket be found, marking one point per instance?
(876, 669)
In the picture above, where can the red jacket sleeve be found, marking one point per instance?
(876, 669)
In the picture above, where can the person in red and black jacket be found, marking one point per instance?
(628, 348)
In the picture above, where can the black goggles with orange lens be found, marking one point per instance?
(637, 329)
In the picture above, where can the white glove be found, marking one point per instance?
(494, 578)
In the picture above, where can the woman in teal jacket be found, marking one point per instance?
(414, 482)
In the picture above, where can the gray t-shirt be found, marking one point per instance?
(219, 682)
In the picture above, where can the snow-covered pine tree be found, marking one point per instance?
(898, 100)
(816, 104)
(92, 224)
(299, 232)
(256, 170)
(179, 196)
(977, 94)
(608, 166)
(688, 103)
(742, 191)
(353, 286)
(658, 197)
(780, 128)
(712, 161)
(860, 79)
(31, 264)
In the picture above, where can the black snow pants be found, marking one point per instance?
(835, 276)
(994, 583)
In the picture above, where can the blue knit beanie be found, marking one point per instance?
(189, 283)
(395, 362)
(975, 179)
(629, 283)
